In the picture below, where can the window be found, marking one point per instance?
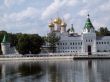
(102, 42)
(76, 43)
(70, 43)
(97, 42)
(73, 43)
(107, 42)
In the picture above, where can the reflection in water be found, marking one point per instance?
(0, 70)
(59, 71)
(27, 69)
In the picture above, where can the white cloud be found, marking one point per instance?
(105, 7)
(11, 2)
(30, 12)
(25, 18)
(72, 2)
(67, 16)
(97, 24)
(56, 6)
(52, 8)
(83, 12)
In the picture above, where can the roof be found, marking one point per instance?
(5, 39)
(103, 38)
(68, 38)
(88, 24)
(71, 30)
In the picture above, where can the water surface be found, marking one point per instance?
(56, 71)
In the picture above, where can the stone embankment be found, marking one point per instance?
(46, 57)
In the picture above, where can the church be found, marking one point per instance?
(71, 42)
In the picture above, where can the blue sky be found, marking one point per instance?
(33, 16)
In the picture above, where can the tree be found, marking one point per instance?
(36, 43)
(103, 31)
(52, 39)
(23, 44)
(29, 43)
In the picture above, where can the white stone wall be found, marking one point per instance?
(5, 47)
(103, 45)
(89, 39)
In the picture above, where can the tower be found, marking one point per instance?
(57, 23)
(88, 28)
(51, 26)
(71, 30)
(88, 37)
(63, 27)
(5, 45)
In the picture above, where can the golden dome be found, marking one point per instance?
(51, 24)
(57, 21)
(63, 24)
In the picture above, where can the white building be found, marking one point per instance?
(70, 41)
(6, 48)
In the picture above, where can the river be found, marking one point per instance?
(55, 71)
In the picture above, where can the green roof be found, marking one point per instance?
(5, 39)
(72, 29)
(88, 24)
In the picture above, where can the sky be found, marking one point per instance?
(33, 16)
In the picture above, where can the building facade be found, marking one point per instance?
(6, 48)
(70, 41)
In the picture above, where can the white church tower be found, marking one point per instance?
(5, 46)
(88, 37)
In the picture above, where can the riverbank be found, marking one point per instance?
(51, 57)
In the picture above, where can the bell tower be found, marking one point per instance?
(5, 45)
(88, 37)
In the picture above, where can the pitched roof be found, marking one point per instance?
(72, 28)
(88, 24)
(5, 39)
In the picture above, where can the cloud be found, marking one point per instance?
(30, 12)
(8, 3)
(72, 2)
(97, 24)
(21, 21)
(33, 15)
(105, 7)
(52, 8)
(67, 16)
(83, 12)
(56, 6)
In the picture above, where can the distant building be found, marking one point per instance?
(73, 42)
(6, 48)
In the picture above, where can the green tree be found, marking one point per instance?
(52, 39)
(35, 43)
(29, 43)
(103, 31)
(23, 44)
